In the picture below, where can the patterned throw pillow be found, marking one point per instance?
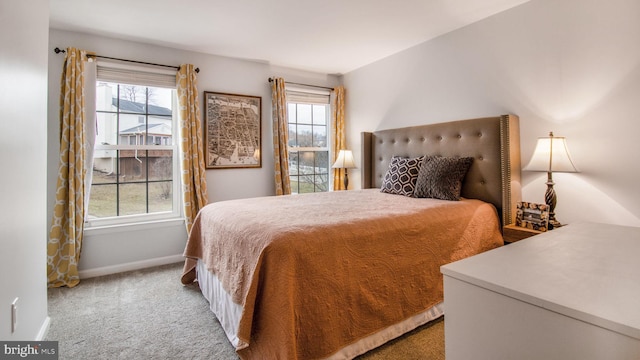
(441, 177)
(400, 178)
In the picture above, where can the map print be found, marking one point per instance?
(232, 130)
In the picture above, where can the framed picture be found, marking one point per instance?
(232, 131)
(532, 216)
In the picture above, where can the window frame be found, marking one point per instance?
(305, 96)
(133, 219)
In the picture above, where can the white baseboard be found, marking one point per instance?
(44, 329)
(136, 265)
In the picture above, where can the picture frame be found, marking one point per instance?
(532, 216)
(232, 130)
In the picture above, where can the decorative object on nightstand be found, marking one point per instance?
(532, 216)
(551, 154)
(344, 161)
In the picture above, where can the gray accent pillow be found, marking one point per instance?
(400, 178)
(441, 177)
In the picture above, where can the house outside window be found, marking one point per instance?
(308, 117)
(135, 173)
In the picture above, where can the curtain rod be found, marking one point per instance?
(315, 86)
(58, 51)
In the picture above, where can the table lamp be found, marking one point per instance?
(551, 154)
(344, 161)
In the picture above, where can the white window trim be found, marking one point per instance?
(313, 96)
(177, 213)
(148, 224)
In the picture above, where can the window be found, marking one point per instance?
(135, 174)
(308, 117)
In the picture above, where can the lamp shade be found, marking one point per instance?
(344, 160)
(551, 155)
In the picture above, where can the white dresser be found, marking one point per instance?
(572, 293)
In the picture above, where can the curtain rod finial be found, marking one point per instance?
(57, 50)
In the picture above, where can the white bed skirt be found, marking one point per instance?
(228, 314)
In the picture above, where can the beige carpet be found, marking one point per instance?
(148, 314)
(425, 342)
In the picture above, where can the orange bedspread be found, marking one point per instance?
(316, 272)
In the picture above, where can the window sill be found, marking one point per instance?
(138, 226)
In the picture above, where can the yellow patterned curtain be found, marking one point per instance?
(194, 182)
(280, 137)
(338, 133)
(65, 236)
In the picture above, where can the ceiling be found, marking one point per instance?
(329, 36)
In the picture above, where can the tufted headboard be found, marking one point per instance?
(493, 142)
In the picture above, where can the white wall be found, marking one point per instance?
(23, 138)
(108, 250)
(571, 67)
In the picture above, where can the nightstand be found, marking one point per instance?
(536, 294)
(512, 233)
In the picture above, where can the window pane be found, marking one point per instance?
(159, 127)
(305, 137)
(104, 166)
(305, 184)
(103, 201)
(293, 180)
(304, 114)
(131, 130)
(291, 112)
(160, 101)
(322, 182)
(160, 164)
(160, 196)
(133, 166)
(306, 159)
(133, 99)
(322, 162)
(106, 129)
(293, 163)
(133, 199)
(320, 136)
(106, 95)
(293, 138)
(320, 114)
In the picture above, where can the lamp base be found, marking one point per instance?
(550, 199)
(346, 180)
(553, 223)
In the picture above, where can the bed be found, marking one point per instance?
(357, 268)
